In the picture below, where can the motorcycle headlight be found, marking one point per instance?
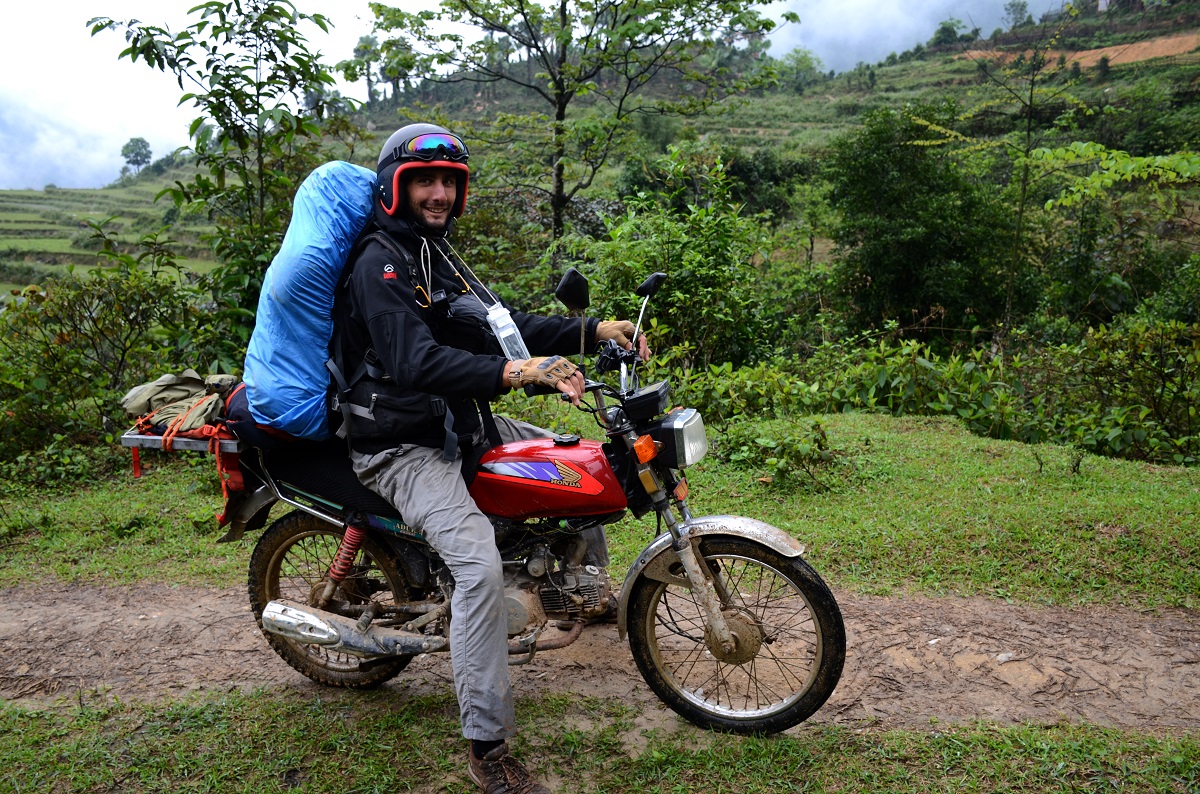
(683, 437)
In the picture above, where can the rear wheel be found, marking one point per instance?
(291, 563)
(791, 642)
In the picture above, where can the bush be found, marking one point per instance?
(70, 348)
(1178, 299)
(923, 239)
(790, 454)
(761, 180)
(1131, 391)
(709, 310)
(60, 463)
(1105, 260)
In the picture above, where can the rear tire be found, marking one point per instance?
(291, 561)
(791, 641)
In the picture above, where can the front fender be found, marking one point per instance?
(657, 559)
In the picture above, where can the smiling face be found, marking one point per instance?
(431, 193)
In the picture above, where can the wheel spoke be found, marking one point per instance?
(761, 598)
(291, 560)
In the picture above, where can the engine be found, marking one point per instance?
(578, 592)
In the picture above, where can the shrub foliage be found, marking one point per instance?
(1130, 391)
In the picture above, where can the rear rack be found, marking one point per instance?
(132, 438)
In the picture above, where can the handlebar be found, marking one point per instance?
(536, 391)
(588, 386)
(610, 359)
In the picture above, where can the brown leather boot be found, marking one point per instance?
(499, 772)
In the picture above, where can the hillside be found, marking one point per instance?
(1180, 48)
(44, 232)
(1140, 59)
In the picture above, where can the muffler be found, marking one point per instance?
(311, 626)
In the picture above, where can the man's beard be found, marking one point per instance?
(441, 228)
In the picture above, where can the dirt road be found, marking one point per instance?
(910, 661)
(1160, 47)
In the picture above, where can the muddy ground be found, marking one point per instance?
(909, 660)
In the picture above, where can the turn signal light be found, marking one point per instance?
(645, 449)
(681, 491)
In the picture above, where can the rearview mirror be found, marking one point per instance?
(572, 291)
(650, 286)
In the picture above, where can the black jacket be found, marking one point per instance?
(429, 344)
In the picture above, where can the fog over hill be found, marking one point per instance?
(67, 104)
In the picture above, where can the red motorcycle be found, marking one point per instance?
(727, 622)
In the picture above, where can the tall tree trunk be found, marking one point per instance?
(558, 198)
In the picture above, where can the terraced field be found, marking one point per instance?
(45, 232)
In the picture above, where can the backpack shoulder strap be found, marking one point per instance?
(374, 234)
(341, 383)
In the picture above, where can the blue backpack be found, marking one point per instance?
(285, 375)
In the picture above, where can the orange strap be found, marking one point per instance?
(230, 474)
(176, 423)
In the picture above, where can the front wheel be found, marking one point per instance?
(791, 643)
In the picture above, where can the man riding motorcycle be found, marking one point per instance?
(412, 325)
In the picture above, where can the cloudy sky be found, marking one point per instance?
(67, 105)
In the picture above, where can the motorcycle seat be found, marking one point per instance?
(323, 469)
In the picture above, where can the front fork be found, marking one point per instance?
(707, 588)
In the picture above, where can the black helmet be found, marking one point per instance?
(420, 146)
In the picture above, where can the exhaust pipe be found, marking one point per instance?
(311, 626)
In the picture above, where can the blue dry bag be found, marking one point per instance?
(285, 373)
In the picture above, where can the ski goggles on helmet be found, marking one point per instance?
(429, 146)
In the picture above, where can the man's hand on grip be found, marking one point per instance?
(553, 372)
(621, 332)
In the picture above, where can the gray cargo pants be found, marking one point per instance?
(431, 495)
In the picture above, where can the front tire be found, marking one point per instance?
(291, 562)
(791, 640)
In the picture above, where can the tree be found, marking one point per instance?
(247, 69)
(70, 347)
(711, 309)
(367, 58)
(136, 153)
(922, 239)
(947, 33)
(800, 69)
(1019, 92)
(592, 65)
(1015, 13)
(396, 66)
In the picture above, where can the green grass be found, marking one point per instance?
(921, 505)
(37, 227)
(915, 505)
(51, 245)
(33, 225)
(391, 741)
(159, 527)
